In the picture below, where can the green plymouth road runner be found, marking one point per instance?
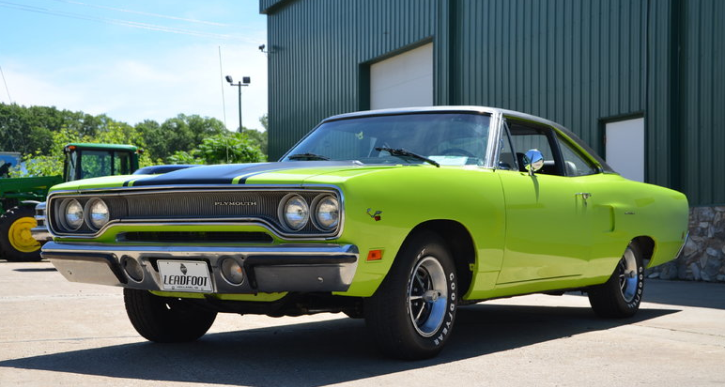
(396, 216)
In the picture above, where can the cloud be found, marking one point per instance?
(132, 85)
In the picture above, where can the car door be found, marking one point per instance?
(548, 227)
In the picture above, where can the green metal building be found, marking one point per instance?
(658, 65)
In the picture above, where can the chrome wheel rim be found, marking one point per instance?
(628, 275)
(427, 296)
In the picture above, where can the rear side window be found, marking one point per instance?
(574, 163)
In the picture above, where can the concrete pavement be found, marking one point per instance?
(57, 333)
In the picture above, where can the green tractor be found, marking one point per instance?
(19, 196)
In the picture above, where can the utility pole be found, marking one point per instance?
(244, 82)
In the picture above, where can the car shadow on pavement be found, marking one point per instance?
(321, 353)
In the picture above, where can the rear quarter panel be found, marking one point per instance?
(625, 210)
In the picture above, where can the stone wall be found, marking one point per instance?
(703, 258)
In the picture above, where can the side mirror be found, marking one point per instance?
(533, 161)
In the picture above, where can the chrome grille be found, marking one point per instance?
(199, 205)
(191, 206)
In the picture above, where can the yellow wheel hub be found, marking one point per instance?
(20, 236)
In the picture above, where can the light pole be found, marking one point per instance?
(244, 82)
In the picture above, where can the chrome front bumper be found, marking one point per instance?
(281, 268)
(41, 234)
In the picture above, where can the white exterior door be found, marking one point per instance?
(404, 80)
(625, 146)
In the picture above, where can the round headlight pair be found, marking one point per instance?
(73, 214)
(295, 212)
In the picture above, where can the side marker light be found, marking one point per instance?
(375, 255)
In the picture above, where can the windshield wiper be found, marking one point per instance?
(404, 153)
(307, 156)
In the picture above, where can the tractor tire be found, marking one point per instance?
(16, 241)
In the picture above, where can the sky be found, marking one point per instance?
(135, 60)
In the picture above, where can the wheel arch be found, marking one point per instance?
(458, 241)
(647, 246)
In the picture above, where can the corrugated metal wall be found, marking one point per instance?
(702, 99)
(570, 61)
(580, 63)
(320, 51)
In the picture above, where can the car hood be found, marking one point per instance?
(292, 172)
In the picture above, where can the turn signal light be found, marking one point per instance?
(232, 271)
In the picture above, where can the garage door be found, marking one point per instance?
(403, 80)
(625, 148)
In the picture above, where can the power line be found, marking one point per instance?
(221, 80)
(119, 22)
(142, 13)
(6, 85)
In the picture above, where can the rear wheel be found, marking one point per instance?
(16, 241)
(411, 315)
(166, 320)
(621, 295)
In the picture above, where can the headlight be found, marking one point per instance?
(98, 214)
(294, 212)
(71, 214)
(327, 212)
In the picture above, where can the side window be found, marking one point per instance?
(574, 163)
(525, 136)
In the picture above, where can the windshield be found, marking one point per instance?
(446, 138)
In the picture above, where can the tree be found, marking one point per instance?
(184, 157)
(259, 137)
(225, 148)
(230, 148)
(181, 133)
(50, 162)
(264, 120)
(14, 126)
(28, 129)
(41, 132)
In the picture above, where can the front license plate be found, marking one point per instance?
(185, 276)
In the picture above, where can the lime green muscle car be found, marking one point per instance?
(396, 216)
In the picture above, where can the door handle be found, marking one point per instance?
(584, 195)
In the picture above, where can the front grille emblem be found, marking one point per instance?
(236, 203)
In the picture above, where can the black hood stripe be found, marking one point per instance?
(227, 173)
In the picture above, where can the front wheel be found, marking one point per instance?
(621, 295)
(411, 315)
(166, 320)
(16, 241)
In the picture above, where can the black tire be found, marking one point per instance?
(16, 241)
(412, 313)
(166, 320)
(621, 295)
